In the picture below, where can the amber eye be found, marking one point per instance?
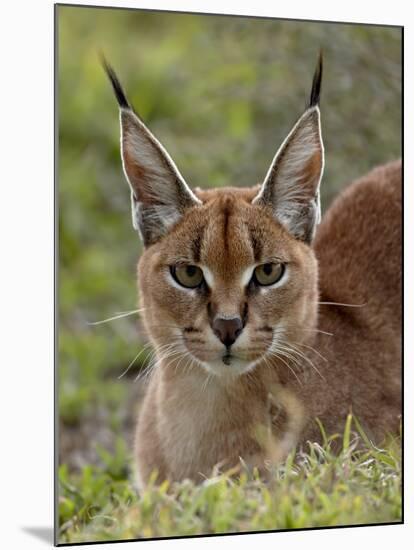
(189, 276)
(268, 274)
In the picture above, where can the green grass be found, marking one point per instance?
(313, 488)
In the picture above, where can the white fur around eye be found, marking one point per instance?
(247, 275)
(208, 276)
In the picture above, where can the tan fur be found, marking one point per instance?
(192, 419)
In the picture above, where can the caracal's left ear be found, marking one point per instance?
(291, 186)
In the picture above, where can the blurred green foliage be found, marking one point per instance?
(221, 93)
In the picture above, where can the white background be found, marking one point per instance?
(26, 283)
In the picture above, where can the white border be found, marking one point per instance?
(26, 218)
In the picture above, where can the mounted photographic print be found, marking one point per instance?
(229, 299)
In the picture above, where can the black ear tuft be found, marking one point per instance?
(316, 83)
(116, 85)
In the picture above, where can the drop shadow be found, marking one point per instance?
(43, 533)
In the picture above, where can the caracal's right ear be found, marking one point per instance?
(159, 194)
(291, 185)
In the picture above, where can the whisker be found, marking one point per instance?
(205, 383)
(133, 360)
(173, 357)
(288, 325)
(149, 368)
(144, 373)
(120, 316)
(277, 353)
(289, 353)
(292, 370)
(317, 330)
(267, 363)
(189, 365)
(303, 356)
(311, 348)
(339, 304)
(180, 361)
(154, 359)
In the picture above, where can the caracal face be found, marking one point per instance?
(228, 287)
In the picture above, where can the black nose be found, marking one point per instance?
(227, 330)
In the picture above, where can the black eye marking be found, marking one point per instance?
(197, 244)
(191, 329)
(245, 314)
(265, 328)
(255, 244)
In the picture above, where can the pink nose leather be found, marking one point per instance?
(227, 330)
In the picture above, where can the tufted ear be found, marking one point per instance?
(291, 186)
(159, 194)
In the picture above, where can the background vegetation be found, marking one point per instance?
(220, 93)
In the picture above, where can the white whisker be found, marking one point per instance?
(278, 353)
(339, 304)
(313, 349)
(120, 316)
(133, 360)
(158, 354)
(207, 380)
(317, 330)
(293, 349)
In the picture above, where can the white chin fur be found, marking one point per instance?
(236, 367)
